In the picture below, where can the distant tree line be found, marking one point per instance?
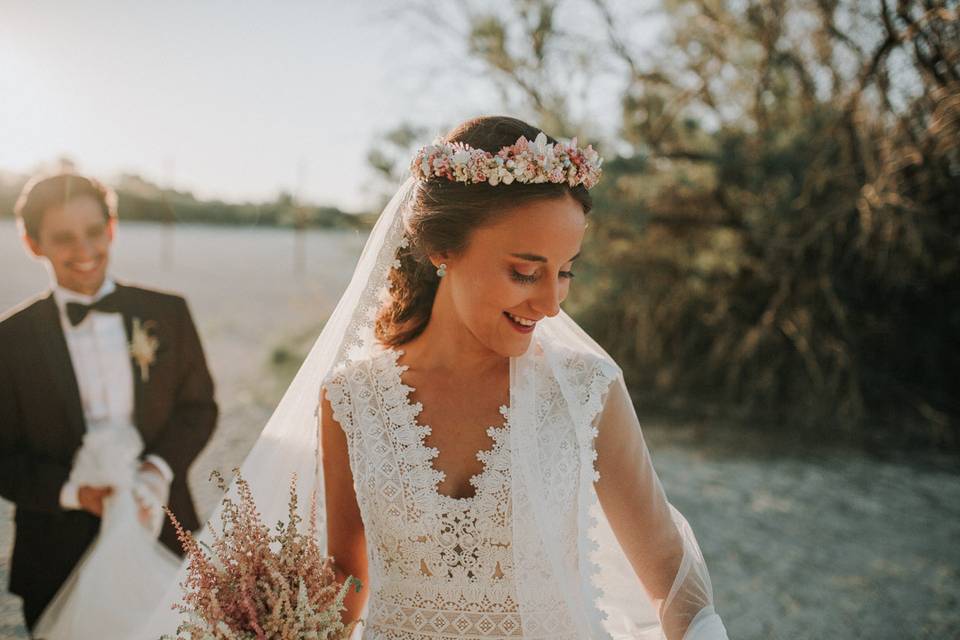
(141, 200)
(777, 232)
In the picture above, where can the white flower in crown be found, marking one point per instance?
(540, 142)
(523, 162)
(143, 348)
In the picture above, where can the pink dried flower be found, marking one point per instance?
(256, 585)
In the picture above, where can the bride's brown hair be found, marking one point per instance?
(444, 213)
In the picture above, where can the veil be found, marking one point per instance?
(571, 553)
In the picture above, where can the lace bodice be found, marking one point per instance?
(440, 567)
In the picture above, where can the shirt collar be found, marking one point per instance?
(62, 295)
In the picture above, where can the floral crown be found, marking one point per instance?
(524, 161)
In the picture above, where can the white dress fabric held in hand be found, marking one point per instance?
(125, 570)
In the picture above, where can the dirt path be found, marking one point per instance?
(829, 545)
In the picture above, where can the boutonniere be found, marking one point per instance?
(143, 347)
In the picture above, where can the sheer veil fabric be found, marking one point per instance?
(575, 536)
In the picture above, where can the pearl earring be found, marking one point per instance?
(441, 270)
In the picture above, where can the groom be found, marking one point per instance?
(88, 354)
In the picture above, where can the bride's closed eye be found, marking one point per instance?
(524, 278)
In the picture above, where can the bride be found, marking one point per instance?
(483, 469)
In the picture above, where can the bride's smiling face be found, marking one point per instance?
(514, 272)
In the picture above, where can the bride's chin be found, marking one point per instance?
(515, 348)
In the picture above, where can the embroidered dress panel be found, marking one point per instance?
(440, 567)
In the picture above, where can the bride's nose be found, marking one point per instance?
(547, 298)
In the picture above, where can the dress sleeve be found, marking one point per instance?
(337, 390)
(654, 536)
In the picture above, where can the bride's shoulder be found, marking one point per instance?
(354, 382)
(577, 361)
(586, 372)
(368, 366)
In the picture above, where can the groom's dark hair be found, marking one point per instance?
(443, 213)
(43, 193)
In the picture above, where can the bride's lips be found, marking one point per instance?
(522, 328)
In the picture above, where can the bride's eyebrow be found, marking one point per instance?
(532, 257)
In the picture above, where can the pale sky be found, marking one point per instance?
(225, 98)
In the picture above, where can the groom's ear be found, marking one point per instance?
(30, 244)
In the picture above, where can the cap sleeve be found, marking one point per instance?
(337, 388)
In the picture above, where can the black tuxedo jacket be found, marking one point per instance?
(42, 425)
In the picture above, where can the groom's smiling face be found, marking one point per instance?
(75, 238)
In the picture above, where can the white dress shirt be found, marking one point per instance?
(101, 363)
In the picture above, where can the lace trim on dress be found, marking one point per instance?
(596, 378)
(496, 433)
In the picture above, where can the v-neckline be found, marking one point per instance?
(497, 433)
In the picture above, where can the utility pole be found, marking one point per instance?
(300, 222)
(169, 215)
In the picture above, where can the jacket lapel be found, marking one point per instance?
(128, 310)
(53, 345)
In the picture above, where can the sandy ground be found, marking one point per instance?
(818, 545)
(826, 544)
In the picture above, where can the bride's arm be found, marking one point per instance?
(345, 536)
(654, 536)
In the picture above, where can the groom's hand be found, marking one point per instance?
(151, 490)
(149, 466)
(91, 498)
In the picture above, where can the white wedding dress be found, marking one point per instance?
(443, 568)
(569, 534)
(440, 567)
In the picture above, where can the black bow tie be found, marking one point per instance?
(77, 311)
